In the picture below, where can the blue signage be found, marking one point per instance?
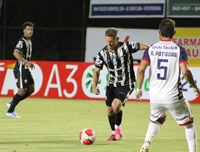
(127, 10)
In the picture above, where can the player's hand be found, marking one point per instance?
(138, 94)
(96, 91)
(196, 91)
(31, 65)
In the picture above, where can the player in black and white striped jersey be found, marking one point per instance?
(24, 79)
(117, 57)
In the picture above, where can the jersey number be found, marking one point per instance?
(162, 75)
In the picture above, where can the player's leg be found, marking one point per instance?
(111, 118)
(25, 84)
(19, 76)
(121, 95)
(157, 119)
(181, 111)
(30, 87)
(191, 137)
(116, 106)
(26, 88)
(21, 95)
(16, 99)
(153, 128)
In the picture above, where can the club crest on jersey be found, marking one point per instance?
(19, 44)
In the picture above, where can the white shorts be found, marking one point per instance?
(180, 111)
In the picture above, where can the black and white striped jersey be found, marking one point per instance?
(25, 47)
(119, 63)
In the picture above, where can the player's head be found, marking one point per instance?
(167, 28)
(111, 38)
(28, 29)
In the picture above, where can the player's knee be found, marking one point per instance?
(110, 111)
(116, 109)
(21, 92)
(162, 120)
(116, 105)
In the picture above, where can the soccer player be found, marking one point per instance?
(166, 60)
(24, 79)
(117, 57)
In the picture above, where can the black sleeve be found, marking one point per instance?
(20, 45)
(99, 61)
(133, 46)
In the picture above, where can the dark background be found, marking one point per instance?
(60, 27)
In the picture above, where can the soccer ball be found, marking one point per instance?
(87, 136)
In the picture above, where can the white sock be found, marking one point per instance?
(153, 129)
(192, 148)
(116, 126)
(190, 133)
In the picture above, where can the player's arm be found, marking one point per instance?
(188, 77)
(18, 55)
(95, 80)
(136, 46)
(140, 77)
(143, 46)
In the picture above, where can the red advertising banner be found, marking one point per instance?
(69, 80)
(52, 79)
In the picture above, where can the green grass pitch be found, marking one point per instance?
(53, 125)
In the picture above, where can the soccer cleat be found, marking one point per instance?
(118, 134)
(8, 104)
(12, 115)
(144, 148)
(111, 138)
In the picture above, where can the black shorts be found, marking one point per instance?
(23, 78)
(121, 92)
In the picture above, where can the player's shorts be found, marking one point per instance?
(180, 111)
(121, 92)
(23, 78)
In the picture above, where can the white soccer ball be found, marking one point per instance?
(87, 136)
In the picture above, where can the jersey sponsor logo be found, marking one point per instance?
(98, 61)
(165, 47)
(170, 47)
(19, 44)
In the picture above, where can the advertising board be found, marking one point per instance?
(183, 8)
(73, 80)
(189, 38)
(126, 8)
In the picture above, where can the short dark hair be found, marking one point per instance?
(111, 32)
(25, 24)
(167, 27)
